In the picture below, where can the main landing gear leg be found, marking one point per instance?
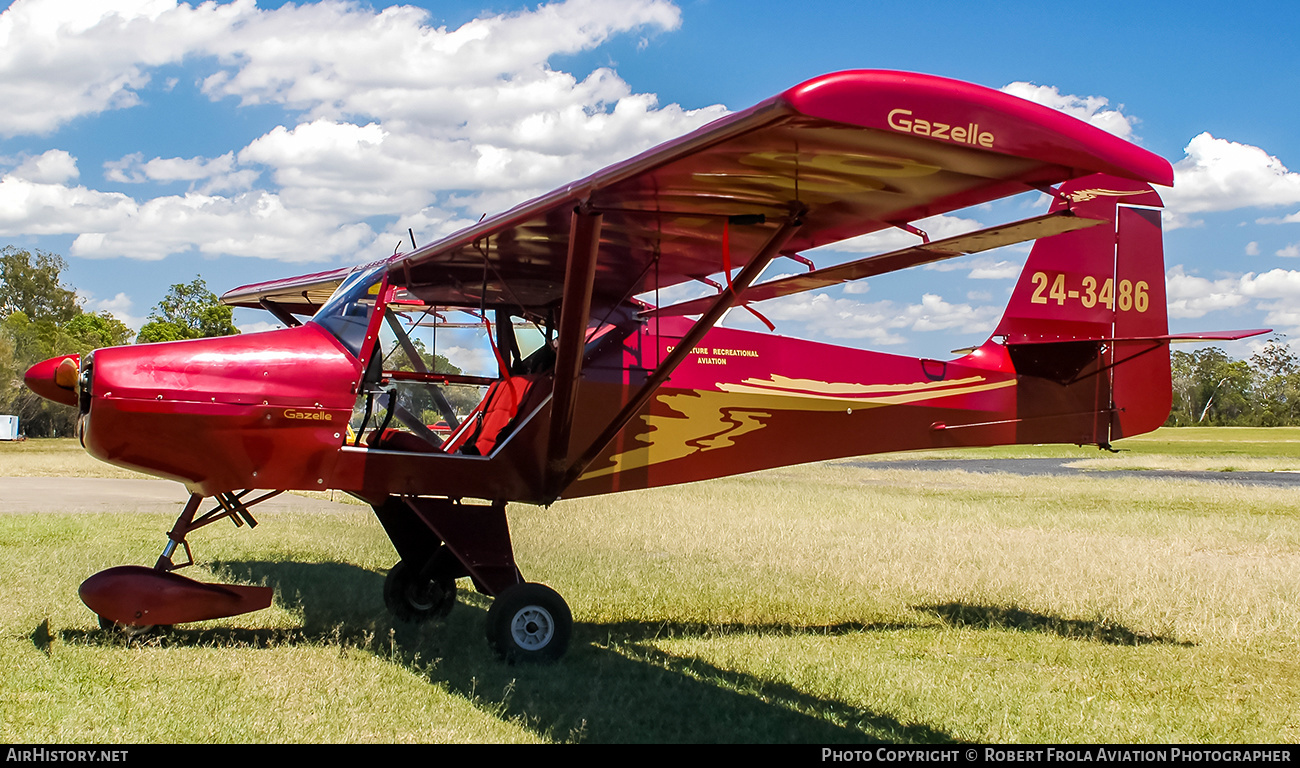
(440, 540)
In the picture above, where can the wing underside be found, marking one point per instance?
(301, 295)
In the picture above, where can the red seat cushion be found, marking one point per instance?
(506, 400)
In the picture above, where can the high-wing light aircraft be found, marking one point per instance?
(613, 390)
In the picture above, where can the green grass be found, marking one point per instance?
(818, 604)
(57, 457)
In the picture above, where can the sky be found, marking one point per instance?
(149, 141)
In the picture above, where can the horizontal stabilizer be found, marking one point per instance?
(1217, 335)
(912, 256)
(1198, 336)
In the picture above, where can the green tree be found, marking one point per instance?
(418, 397)
(99, 330)
(188, 311)
(41, 318)
(29, 342)
(1277, 379)
(29, 283)
(1211, 388)
(1182, 369)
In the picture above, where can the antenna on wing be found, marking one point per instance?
(411, 232)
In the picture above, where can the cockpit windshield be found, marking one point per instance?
(347, 313)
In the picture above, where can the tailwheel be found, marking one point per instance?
(131, 631)
(410, 597)
(529, 623)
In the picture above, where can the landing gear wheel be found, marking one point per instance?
(131, 631)
(529, 623)
(411, 598)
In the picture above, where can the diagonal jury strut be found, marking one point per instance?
(724, 301)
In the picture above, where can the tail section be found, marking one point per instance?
(1086, 326)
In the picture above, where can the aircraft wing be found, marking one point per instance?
(845, 154)
(301, 295)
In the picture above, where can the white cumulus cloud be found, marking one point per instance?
(1275, 292)
(1090, 109)
(819, 314)
(34, 208)
(62, 59)
(119, 306)
(1221, 175)
(53, 167)
(207, 224)
(936, 227)
(1192, 296)
(386, 115)
(1214, 174)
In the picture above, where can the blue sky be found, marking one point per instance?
(149, 141)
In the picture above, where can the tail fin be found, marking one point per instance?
(1088, 316)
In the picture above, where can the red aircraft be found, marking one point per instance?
(605, 391)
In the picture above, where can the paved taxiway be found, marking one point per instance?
(98, 494)
(94, 494)
(1058, 468)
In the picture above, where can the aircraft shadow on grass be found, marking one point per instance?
(604, 689)
(995, 617)
(607, 686)
(598, 694)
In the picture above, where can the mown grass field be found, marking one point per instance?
(823, 604)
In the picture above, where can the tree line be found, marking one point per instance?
(1213, 389)
(40, 318)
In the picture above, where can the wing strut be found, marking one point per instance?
(579, 277)
(721, 304)
(911, 256)
(281, 312)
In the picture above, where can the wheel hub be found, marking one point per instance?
(423, 597)
(532, 627)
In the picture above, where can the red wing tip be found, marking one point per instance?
(1003, 122)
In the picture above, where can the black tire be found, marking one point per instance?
(132, 631)
(529, 623)
(412, 599)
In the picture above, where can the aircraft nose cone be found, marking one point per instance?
(55, 379)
